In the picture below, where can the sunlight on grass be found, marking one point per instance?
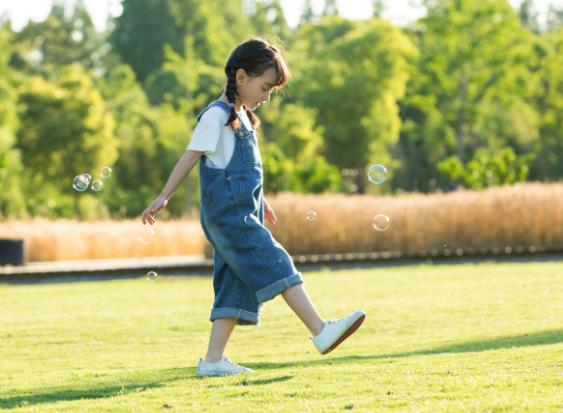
(469, 337)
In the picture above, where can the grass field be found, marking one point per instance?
(437, 338)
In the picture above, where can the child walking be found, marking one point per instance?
(250, 266)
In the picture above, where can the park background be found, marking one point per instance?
(462, 101)
(463, 105)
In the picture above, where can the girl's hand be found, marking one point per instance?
(269, 213)
(152, 209)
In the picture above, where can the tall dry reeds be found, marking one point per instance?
(524, 215)
(74, 240)
(511, 216)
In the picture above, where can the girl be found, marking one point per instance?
(250, 266)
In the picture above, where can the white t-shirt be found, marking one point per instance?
(214, 139)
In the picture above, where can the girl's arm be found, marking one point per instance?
(182, 168)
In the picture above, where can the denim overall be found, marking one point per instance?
(250, 266)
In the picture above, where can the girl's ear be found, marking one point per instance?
(240, 77)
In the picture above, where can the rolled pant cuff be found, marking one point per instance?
(243, 317)
(270, 291)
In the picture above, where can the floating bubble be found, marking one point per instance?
(381, 222)
(105, 172)
(151, 276)
(81, 182)
(97, 185)
(146, 235)
(377, 174)
(311, 215)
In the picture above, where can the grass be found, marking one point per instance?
(469, 337)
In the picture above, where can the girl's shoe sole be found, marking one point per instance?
(346, 334)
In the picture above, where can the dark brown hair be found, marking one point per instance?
(255, 56)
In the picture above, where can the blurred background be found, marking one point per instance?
(461, 100)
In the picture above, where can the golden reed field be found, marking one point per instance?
(509, 218)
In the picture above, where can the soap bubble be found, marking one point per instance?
(81, 182)
(311, 215)
(105, 172)
(377, 174)
(151, 276)
(146, 235)
(381, 222)
(97, 185)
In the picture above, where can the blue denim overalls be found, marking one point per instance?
(250, 266)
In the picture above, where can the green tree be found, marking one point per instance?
(472, 88)
(331, 8)
(378, 7)
(353, 74)
(146, 26)
(488, 168)
(308, 14)
(293, 151)
(12, 201)
(65, 131)
(63, 38)
(549, 103)
(529, 15)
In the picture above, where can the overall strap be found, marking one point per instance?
(217, 103)
(227, 109)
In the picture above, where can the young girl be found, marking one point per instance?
(250, 266)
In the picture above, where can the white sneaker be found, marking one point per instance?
(335, 332)
(223, 367)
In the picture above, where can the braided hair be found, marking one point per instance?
(255, 56)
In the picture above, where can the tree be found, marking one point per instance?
(65, 130)
(378, 7)
(61, 39)
(549, 103)
(353, 74)
(554, 17)
(330, 8)
(293, 151)
(529, 16)
(308, 14)
(12, 201)
(473, 87)
(146, 26)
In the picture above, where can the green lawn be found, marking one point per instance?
(469, 337)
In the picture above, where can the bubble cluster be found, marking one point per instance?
(81, 182)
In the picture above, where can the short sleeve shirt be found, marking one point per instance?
(213, 138)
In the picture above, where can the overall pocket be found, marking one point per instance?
(209, 208)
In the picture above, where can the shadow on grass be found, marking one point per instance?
(141, 381)
(524, 340)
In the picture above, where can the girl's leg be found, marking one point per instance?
(296, 297)
(220, 333)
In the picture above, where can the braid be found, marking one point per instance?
(255, 120)
(231, 92)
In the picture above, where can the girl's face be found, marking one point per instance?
(253, 91)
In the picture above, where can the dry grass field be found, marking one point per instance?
(510, 218)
